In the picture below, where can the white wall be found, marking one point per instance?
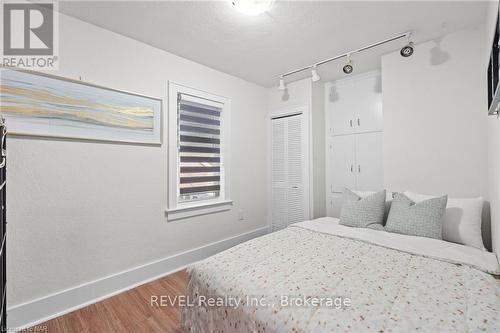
(493, 137)
(435, 119)
(80, 210)
(306, 93)
(298, 93)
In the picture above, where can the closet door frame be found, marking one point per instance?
(307, 149)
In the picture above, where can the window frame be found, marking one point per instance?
(179, 210)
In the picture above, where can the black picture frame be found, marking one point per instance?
(493, 73)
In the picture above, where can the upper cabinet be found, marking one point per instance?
(354, 105)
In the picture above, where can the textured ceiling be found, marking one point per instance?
(290, 35)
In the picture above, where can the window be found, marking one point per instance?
(199, 148)
(198, 152)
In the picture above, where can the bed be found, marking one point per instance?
(394, 283)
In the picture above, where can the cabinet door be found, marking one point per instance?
(369, 117)
(341, 104)
(369, 161)
(334, 204)
(342, 163)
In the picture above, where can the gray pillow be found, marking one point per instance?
(424, 219)
(388, 200)
(363, 212)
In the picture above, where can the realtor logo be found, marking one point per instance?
(29, 31)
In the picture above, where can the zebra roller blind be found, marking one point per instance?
(199, 148)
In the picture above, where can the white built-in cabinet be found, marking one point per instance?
(354, 130)
(288, 171)
(355, 105)
(356, 162)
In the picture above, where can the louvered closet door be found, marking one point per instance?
(294, 161)
(279, 174)
(288, 196)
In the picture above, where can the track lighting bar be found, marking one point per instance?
(350, 53)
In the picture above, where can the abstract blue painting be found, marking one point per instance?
(42, 105)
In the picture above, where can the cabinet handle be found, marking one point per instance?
(359, 122)
(350, 122)
(359, 168)
(352, 168)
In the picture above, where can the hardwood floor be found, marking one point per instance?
(130, 311)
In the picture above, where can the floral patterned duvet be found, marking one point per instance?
(381, 289)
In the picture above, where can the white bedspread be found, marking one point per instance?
(394, 283)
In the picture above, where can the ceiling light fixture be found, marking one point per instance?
(348, 68)
(252, 7)
(282, 85)
(315, 77)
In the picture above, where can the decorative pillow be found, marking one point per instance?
(388, 201)
(367, 212)
(424, 219)
(462, 223)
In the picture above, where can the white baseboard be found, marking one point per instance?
(42, 309)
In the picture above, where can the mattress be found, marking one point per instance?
(319, 276)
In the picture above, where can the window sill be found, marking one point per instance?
(198, 209)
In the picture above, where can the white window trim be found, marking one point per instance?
(177, 210)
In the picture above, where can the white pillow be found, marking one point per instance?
(462, 223)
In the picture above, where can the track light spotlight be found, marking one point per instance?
(315, 77)
(408, 49)
(348, 68)
(282, 85)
